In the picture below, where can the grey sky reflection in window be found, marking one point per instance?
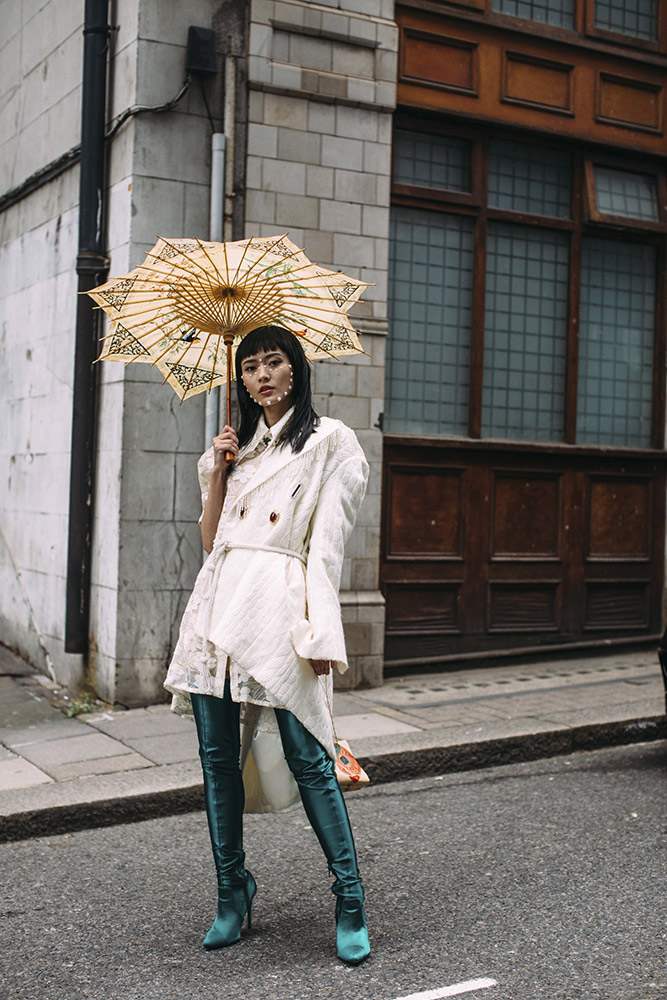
(625, 193)
(430, 307)
(617, 320)
(559, 13)
(628, 17)
(524, 178)
(431, 161)
(525, 333)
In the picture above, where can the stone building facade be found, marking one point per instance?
(311, 128)
(496, 171)
(322, 90)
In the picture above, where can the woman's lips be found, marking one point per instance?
(267, 388)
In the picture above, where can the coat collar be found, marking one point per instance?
(284, 456)
(264, 431)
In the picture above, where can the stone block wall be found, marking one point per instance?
(322, 79)
(40, 70)
(147, 547)
(317, 109)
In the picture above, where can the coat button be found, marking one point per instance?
(274, 516)
(242, 511)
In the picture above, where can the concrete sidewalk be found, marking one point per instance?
(58, 774)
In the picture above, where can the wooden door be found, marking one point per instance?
(494, 547)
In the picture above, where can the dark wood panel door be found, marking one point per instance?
(494, 547)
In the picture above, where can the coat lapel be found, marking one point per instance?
(284, 456)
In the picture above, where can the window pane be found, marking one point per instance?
(431, 161)
(629, 17)
(525, 333)
(557, 12)
(617, 319)
(430, 298)
(620, 192)
(530, 179)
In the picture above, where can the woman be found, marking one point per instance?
(263, 625)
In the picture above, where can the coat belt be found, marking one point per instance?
(222, 546)
(214, 564)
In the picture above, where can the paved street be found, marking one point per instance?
(58, 774)
(547, 877)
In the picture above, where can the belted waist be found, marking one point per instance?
(213, 566)
(222, 546)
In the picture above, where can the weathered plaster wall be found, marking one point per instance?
(40, 71)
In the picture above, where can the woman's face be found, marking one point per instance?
(269, 379)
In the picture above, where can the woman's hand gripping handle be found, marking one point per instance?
(225, 446)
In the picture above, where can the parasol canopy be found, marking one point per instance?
(186, 308)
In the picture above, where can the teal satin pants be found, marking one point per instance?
(219, 750)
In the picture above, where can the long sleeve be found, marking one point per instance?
(204, 470)
(320, 636)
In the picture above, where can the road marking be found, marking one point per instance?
(452, 991)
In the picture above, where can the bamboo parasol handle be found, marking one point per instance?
(229, 455)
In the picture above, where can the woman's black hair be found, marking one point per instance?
(304, 420)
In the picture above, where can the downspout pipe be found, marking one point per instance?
(216, 230)
(91, 267)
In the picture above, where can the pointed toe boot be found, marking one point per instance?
(352, 942)
(234, 902)
(323, 801)
(219, 748)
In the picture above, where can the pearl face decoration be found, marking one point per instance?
(291, 383)
(252, 372)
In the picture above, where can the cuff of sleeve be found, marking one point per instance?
(309, 647)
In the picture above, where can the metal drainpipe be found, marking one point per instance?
(91, 266)
(216, 227)
(221, 221)
(228, 232)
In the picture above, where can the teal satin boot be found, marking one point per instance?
(233, 904)
(352, 941)
(325, 807)
(219, 749)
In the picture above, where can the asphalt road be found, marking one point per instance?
(548, 877)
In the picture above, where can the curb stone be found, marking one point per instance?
(381, 768)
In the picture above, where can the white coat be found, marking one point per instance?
(277, 560)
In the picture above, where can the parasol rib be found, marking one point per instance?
(196, 365)
(198, 293)
(302, 336)
(212, 262)
(238, 266)
(187, 272)
(255, 301)
(170, 347)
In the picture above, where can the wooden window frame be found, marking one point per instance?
(626, 222)
(416, 194)
(584, 23)
(618, 38)
(581, 225)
